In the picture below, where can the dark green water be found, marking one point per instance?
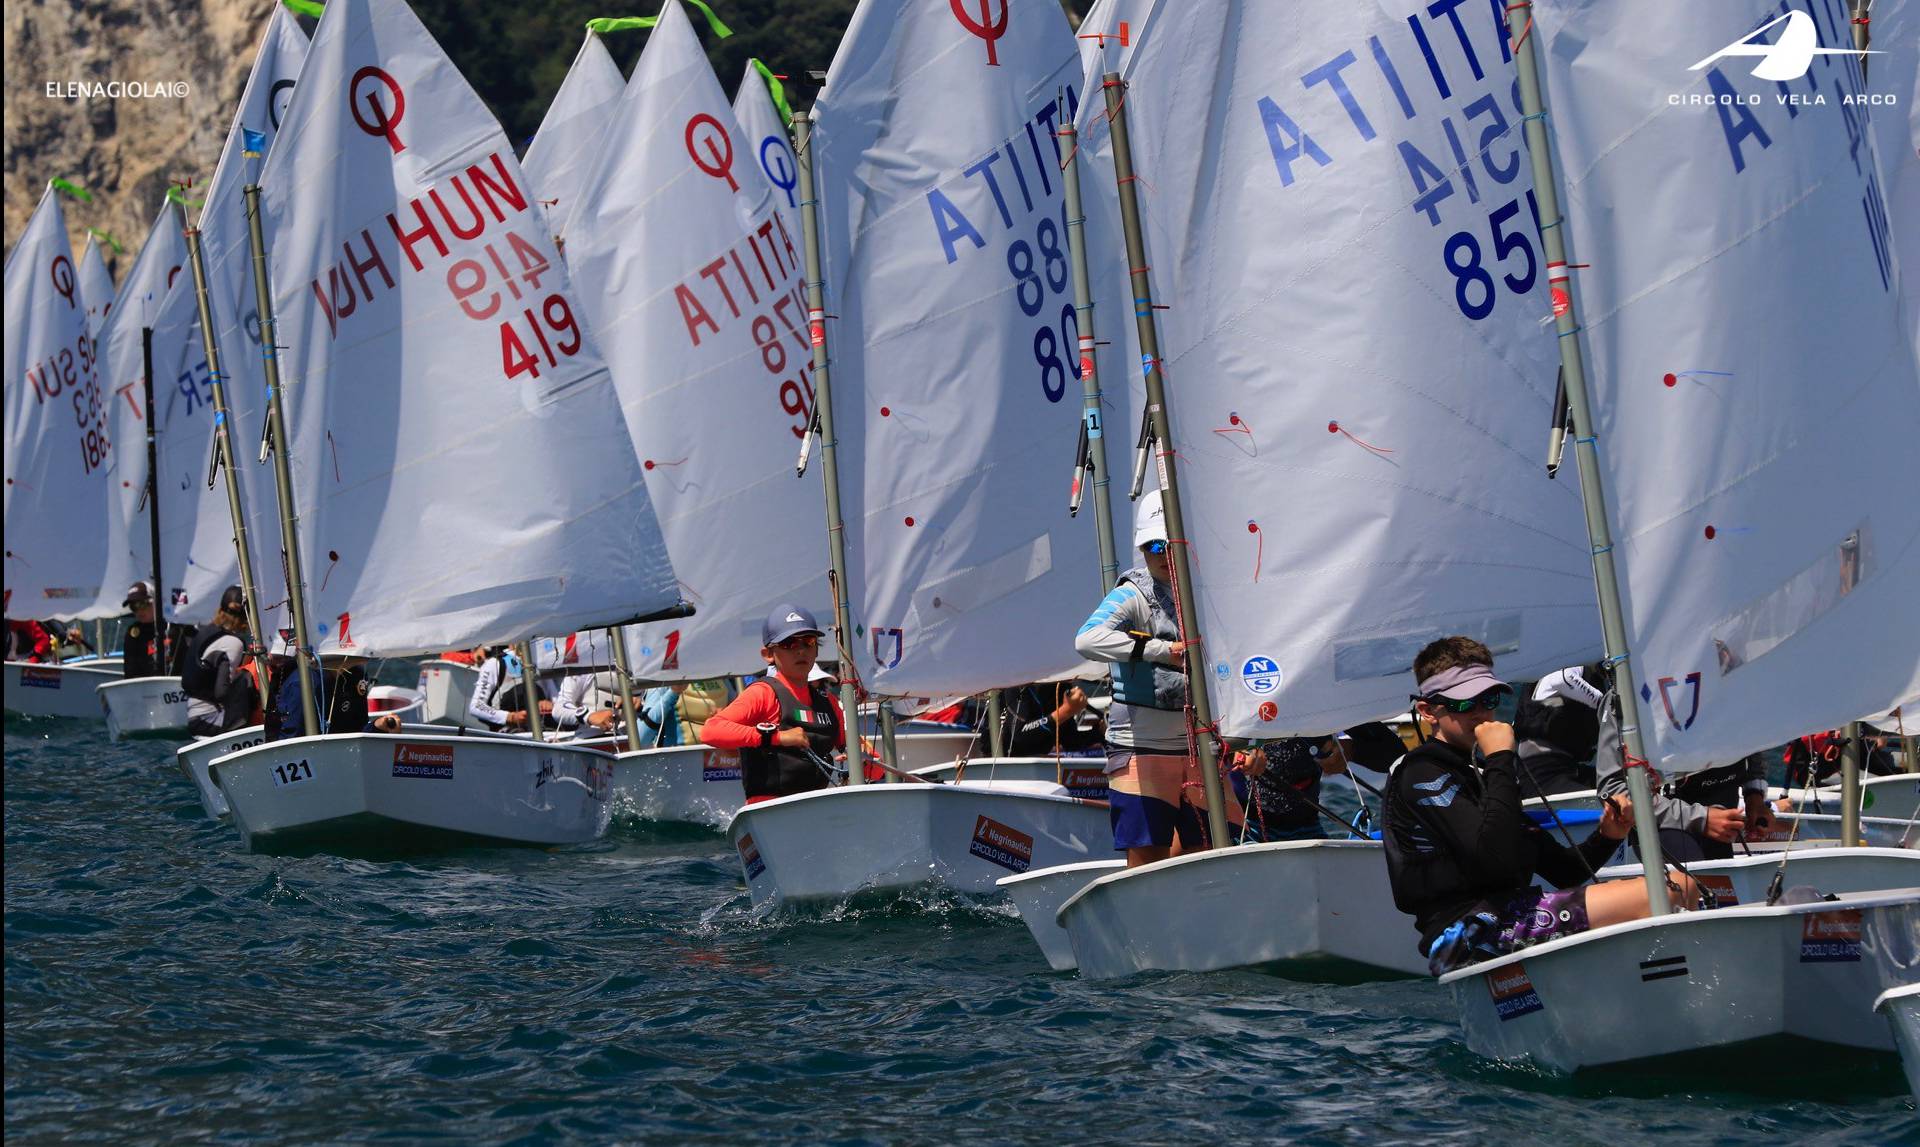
(164, 986)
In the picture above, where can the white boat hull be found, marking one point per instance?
(1237, 907)
(834, 843)
(137, 706)
(688, 784)
(1690, 981)
(195, 761)
(1901, 1006)
(389, 789)
(918, 750)
(1038, 895)
(1894, 797)
(1819, 830)
(1745, 879)
(65, 690)
(445, 688)
(1083, 777)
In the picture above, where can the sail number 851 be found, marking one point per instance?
(1473, 286)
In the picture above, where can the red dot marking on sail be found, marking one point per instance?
(909, 520)
(649, 463)
(1333, 428)
(886, 412)
(1671, 379)
(1710, 532)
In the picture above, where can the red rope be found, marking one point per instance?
(1525, 31)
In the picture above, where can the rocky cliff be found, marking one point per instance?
(180, 65)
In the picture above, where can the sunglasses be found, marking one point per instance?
(1487, 702)
(1155, 548)
(799, 641)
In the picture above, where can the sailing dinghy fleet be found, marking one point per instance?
(838, 358)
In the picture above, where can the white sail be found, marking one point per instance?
(460, 465)
(576, 652)
(96, 286)
(692, 282)
(197, 554)
(1897, 73)
(566, 147)
(765, 129)
(1753, 374)
(1360, 429)
(58, 450)
(956, 384)
(159, 267)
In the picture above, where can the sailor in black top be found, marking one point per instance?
(1461, 855)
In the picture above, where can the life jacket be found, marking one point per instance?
(259, 713)
(778, 771)
(197, 678)
(1149, 684)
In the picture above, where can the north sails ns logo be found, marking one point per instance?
(1788, 57)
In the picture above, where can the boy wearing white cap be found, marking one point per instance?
(1153, 785)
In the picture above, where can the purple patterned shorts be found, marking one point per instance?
(1536, 916)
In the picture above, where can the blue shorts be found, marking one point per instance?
(1151, 798)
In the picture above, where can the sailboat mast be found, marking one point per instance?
(626, 686)
(1586, 453)
(829, 446)
(1092, 418)
(223, 448)
(530, 686)
(1115, 89)
(282, 472)
(153, 491)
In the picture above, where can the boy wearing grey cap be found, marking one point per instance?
(1461, 854)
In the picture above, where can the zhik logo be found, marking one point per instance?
(1787, 58)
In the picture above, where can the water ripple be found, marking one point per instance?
(162, 985)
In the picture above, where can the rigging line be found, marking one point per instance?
(1778, 884)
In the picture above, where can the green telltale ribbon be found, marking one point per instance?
(178, 196)
(107, 239)
(73, 189)
(776, 89)
(606, 24)
(311, 8)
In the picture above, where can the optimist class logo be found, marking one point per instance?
(1788, 57)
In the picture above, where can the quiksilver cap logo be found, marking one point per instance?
(1788, 57)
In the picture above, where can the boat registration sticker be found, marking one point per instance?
(1087, 784)
(291, 773)
(1721, 887)
(720, 766)
(40, 677)
(428, 762)
(1830, 938)
(997, 844)
(1513, 993)
(750, 856)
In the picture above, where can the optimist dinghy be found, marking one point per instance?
(834, 844)
(1713, 979)
(392, 404)
(62, 690)
(445, 688)
(1901, 1007)
(407, 790)
(143, 706)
